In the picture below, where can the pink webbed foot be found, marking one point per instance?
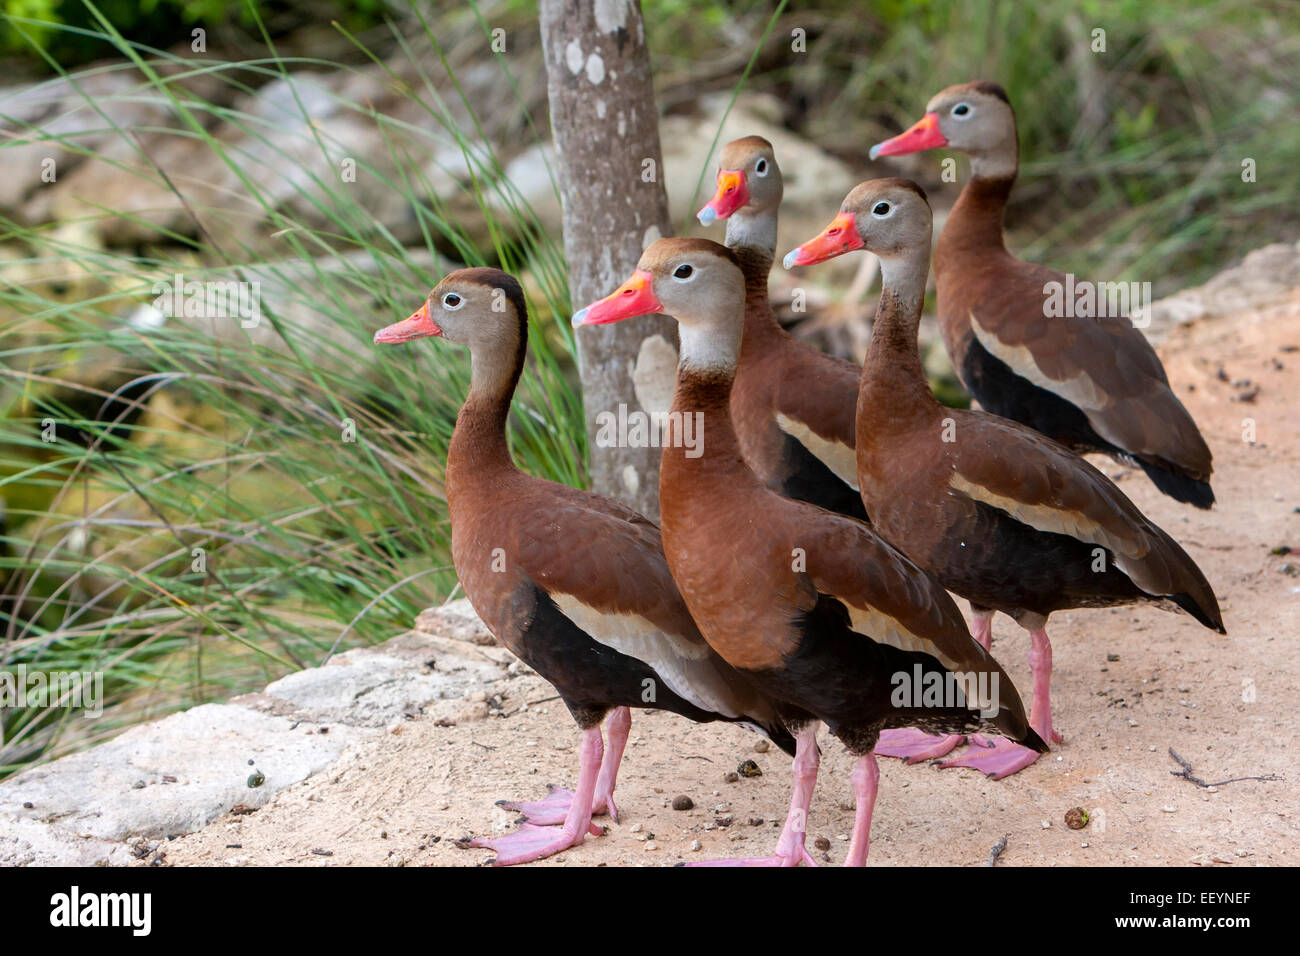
(528, 843)
(551, 810)
(915, 746)
(1001, 760)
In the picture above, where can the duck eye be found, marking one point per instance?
(961, 109)
(880, 209)
(683, 271)
(760, 167)
(451, 301)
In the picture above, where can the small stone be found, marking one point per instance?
(651, 845)
(1047, 824)
(637, 827)
(762, 746)
(682, 802)
(723, 820)
(748, 768)
(695, 846)
(1169, 809)
(256, 779)
(1076, 818)
(822, 843)
(28, 805)
(755, 821)
(1112, 658)
(730, 776)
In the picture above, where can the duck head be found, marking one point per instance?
(696, 281)
(480, 308)
(890, 217)
(749, 180)
(973, 118)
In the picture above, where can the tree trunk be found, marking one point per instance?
(606, 131)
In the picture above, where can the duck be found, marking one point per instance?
(797, 439)
(1091, 381)
(574, 584)
(1000, 514)
(816, 609)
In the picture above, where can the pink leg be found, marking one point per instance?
(790, 850)
(1005, 757)
(618, 725)
(915, 746)
(983, 629)
(554, 807)
(1040, 662)
(532, 842)
(866, 781)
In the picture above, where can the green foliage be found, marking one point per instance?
(236, 445)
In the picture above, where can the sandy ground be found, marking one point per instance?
(1226, 704)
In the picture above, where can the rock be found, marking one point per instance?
(456, 620)
(683, 802)
(92, 793)
(1264, 275)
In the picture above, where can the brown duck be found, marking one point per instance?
(1001, 515)
(574, 584)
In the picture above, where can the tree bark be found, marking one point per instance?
(606, 130)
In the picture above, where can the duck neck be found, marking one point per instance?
(893, 381)
(975, 223)
(478, 442)
(702, 396)
(753, 230)
(760, 322)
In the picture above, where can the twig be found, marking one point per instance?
(484, 746)
(996, 851)
(544, 700)
(1186, 774)
(694, 757)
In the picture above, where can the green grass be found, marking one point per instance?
(311, 542)
(198, 435)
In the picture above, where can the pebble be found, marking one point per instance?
(762, 746)
(637, 827)
(731, 776)
(1047, 824)
(695, 846)
(683, 802)
(748, 768)
(822, 843)
(1169, 809)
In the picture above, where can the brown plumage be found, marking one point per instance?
(1090, 381)
(574, 584)
(798, 439)
(812, 606)
(1002, 516)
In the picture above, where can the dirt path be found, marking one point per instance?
(1226, 704)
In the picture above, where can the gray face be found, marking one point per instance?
(972, 121)
(473, 314)
(891, 219)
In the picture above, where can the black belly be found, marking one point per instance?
(997, 562)
(1000, 391)
(590, 677)
(847, 680)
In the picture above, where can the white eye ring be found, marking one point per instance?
(889, 210)
(452, 301)
(969, 111)
(690, 274)
(761, 168)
